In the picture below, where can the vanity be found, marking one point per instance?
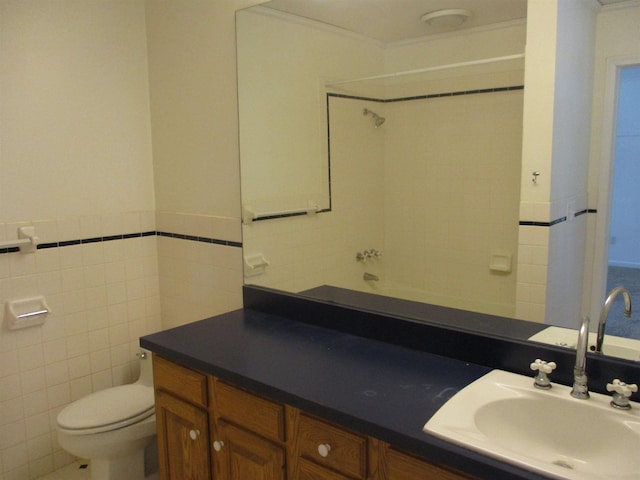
(298, 388)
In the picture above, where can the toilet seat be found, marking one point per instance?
(108, 409)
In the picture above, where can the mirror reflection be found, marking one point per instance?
(384, 165)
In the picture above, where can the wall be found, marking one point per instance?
(380, 177)
(306, 251)
(76, 163)
(451, 189)
(553, 209)
(284, 61)
(625, 222)
(191, 48)
(617, 44)
(464, 171)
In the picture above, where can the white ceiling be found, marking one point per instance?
(399, 20)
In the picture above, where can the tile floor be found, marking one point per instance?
(75, 471)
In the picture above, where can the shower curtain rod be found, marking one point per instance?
(429, 69)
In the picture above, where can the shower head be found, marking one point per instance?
(378, 120)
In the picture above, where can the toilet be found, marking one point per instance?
(111, 428)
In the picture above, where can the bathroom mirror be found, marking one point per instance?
(417, 154)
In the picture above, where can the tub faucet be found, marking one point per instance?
(370, 276)
(580, 389)
(605, 312)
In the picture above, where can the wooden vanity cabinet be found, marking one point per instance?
(211, 430)
(182, 422)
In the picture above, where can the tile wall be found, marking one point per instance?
(452, 169)
(99, 275)
(549, 237)
(200, 259)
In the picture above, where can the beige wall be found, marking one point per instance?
(194, 121)
(76, 162)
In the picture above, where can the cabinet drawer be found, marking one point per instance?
(343, 451)
(182, 382)
(265, 417)
(401, 466)
(312, 471)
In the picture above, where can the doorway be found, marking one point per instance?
(623, 261)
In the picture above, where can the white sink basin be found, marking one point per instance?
(504, 416)
(620, 347)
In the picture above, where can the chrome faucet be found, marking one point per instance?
(580, 389)
(605, 313)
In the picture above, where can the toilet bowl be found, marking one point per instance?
(112, 427)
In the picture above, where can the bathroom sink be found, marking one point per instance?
(620, 347)
(503, 415)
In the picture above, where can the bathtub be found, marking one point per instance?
(422, 296)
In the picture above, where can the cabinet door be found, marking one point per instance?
(243, 455)
(183, 439)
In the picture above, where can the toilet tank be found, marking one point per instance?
(146, 367)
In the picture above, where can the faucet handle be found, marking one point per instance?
(543, 368)
(621, 393)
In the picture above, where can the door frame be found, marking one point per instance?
(605, 179)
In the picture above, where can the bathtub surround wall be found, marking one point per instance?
(400, 188)
(452, 166)
(445, 251)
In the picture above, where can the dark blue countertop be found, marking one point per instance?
(377, 388)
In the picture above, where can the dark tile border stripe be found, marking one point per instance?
(83, 241)
(193, 238)
(430, 95)
(529, 223)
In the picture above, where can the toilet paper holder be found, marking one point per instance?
(26, 312)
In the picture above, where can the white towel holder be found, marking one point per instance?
(255, 265)
(26, 241)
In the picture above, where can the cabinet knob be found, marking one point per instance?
(324, 449)
(194, 434)
(217, 445)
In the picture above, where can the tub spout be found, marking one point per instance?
(370, 276)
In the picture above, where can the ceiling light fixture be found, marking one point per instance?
(448, 18)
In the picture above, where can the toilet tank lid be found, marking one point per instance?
(106, 407)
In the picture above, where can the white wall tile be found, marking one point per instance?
(35, 403)
(42, 369)
(14, 456)
(32, 380)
